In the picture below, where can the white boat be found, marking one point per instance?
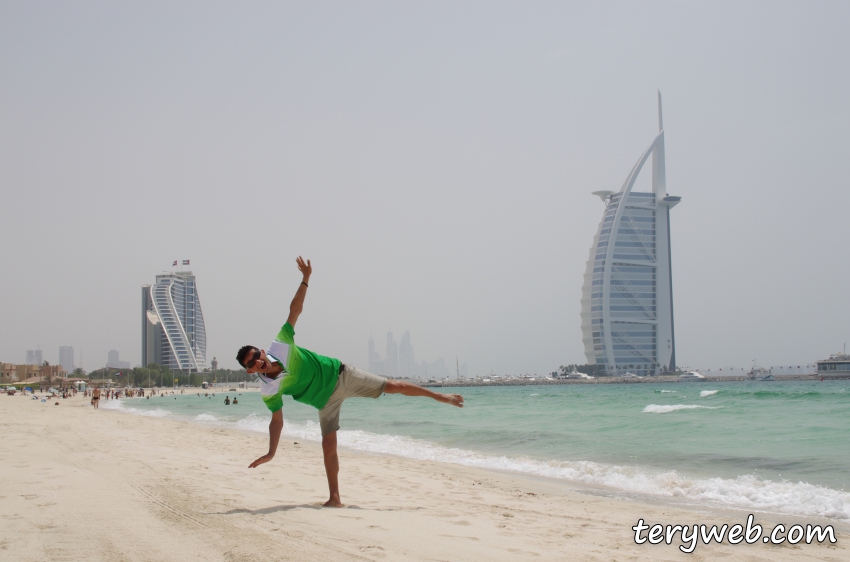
(577, 375)
(760, 374)
(691, 376)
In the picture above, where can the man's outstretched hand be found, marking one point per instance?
(261, 460)
(305, 268)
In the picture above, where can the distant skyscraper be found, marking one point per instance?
(627, 297)
(113, 360)
(66, 358)
(173, 331)
(373, 356)
(406, 364)
(34, 357)
(391, 362)
(400, 361)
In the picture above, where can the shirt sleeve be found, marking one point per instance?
(273, 403)
(286, 334)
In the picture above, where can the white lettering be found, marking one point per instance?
(671, 531)
(638, 529)
(779, 528)
(735, 534)
(713, 533)
(686, 539)
(790, 535)
(752, 529)
(656, 534)
(822, 533)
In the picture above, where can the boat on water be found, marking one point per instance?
(760, 374)
(577, 375)
(691, 376)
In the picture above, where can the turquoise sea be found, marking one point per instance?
(781, 447)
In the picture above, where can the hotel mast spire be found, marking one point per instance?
(660, 121)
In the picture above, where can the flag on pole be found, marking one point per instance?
(173, 264)
(185, 262)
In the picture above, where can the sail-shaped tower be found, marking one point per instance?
(627, 296)
(173, 330)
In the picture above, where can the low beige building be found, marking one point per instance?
(11, 373)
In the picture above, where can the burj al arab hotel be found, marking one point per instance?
(627, 296)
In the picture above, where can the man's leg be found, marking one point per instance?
(332, 468)
(410, 389)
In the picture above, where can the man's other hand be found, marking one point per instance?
(261, 460)
(305, 268)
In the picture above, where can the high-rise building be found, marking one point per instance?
(627, 296)
(400, 361)
(391, 362)
(406, 364)
(376, 366)
(34, 357)
(173, 332)
(113, 360)
(66, 358)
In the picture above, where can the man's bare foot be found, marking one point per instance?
(454, 400)
(333, 503)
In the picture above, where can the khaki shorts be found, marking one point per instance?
(352, 383)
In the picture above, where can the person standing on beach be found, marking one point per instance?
(95, 397)
(322, 382)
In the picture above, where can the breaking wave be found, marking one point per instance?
(665, 408)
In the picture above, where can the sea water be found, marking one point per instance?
(781, 447)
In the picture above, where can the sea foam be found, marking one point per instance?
(705, 393)
(119, 405)
(666, 408)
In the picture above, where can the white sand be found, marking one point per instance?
(79, 484)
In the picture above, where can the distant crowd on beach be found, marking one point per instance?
(95, 394)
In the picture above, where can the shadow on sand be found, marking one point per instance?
(276, 508)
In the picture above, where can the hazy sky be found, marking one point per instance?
(435, 161)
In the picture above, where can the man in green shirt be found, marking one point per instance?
(322, 382)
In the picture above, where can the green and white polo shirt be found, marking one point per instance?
(307, 377)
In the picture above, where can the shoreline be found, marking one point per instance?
(460, 383)
(94, 485)
(647, 483)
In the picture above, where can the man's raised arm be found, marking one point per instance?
(298, 301)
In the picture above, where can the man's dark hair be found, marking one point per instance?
(243, 353)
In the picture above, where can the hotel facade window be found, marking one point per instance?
(627, 296)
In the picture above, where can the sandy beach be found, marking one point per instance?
(80, 484)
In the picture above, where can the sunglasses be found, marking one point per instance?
(249, 364)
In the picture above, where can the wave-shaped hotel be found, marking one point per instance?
(173, 331)
(627, 296)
